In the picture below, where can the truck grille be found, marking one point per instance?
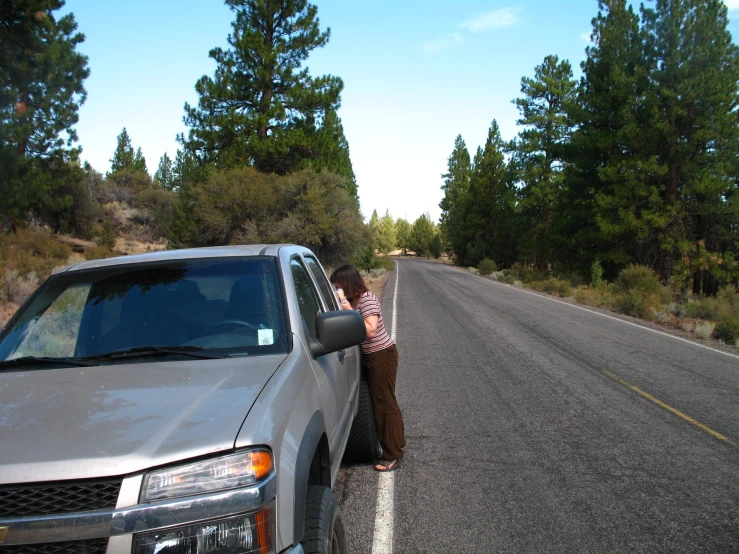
(58, 498)
(97, 546)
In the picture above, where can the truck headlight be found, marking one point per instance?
(244, 534)
(227, 472)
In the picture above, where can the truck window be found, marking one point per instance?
(310, 307)
(323, 284)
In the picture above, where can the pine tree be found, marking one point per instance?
(492, 198)
(539, 149)
(454, 204)
(610, 195)
(374, 230)
(123, 157)
(695, 71)
(422, 235)
(261, 107)
(332, 151)
(164, 176)
(403, 234)
(139, 162)
(387, 239)
(42, 78)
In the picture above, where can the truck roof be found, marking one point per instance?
(185, 254)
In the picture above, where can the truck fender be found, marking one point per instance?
(314, 431)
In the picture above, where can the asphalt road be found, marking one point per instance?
(526, 432)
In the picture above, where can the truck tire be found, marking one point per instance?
(362, 445)
(324, 524)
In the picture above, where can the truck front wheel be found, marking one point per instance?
(324, 524)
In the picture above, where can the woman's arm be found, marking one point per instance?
(371, 323)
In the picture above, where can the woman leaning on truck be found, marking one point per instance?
(380, 361)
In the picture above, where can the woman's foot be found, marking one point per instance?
(388, 465)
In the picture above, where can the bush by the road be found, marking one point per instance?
(524, 273)
(366, 259)
(553, 286)
(638, 278)
(487, 266)
(727, 329)
(29, 251)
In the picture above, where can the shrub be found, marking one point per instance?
(486, 266)
(525, 273)
(596, 273)
(107, 235)
(728, 300)
(29, 251)
(638, 278)
(637, 303)
(574, 279)
(98, 253)
(704, 329)
(435, 245)
(157, 203)
(714, 308)
(553, 286)
(727, 328)
(388, 263)
(473, 270)
(505, 278)
(18, 287)
(703, 308)
(377, 272)
(366, 259)
(601, 297)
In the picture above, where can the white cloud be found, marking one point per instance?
(496, 19)
(434, 46)
(585, 37)
(732, 4)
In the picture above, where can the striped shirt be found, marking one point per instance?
(370, 305)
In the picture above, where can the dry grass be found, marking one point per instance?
(129, 245)
(376, 284)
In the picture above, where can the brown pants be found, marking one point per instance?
(382, 368)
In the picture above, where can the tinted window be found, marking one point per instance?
(310, 307)
(327, 290)
(231, 306)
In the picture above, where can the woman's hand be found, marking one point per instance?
(345, 305)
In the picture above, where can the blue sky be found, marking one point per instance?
(416, 74)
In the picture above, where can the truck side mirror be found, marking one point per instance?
(336, 331)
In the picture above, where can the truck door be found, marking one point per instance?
(349, 378)
(328, 369)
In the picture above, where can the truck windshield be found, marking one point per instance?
(218, 306)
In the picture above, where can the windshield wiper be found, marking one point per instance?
(192, 351)
(34, 360)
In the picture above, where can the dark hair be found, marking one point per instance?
(350, 280)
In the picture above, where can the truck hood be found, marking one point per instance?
(81, 422)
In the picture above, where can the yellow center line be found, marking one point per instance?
(670, 409)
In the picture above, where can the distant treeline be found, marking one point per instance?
(637, 163)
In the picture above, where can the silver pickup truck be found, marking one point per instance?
(182, 402)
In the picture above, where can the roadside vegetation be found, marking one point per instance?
(636, 292)
(620, 189)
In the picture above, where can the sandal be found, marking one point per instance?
(387, 465)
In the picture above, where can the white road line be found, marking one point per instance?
(395, 299)
(600, 314)
(382, 542)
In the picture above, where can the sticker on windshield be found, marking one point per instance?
(265, 337)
